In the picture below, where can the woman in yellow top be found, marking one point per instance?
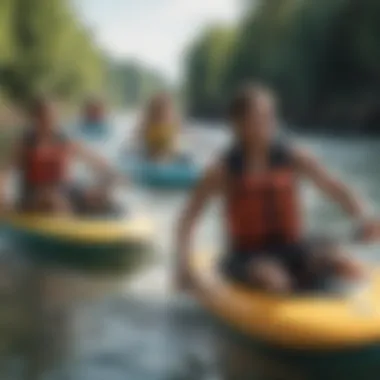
(159, 129)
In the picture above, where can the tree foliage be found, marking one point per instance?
(50, 51)
(6, 9)
(322, 57)
(207, 62)
(130, 83)
(44, 48)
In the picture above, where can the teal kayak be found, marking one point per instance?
(95, 130)
(181, 173)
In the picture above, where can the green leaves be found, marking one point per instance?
(51, 52)
(322, 57)
(130, 84)
(207, 62)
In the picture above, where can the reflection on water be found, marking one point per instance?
(147, 334)
(151, 340)
(171, 341)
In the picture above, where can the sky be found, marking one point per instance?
(154, 32)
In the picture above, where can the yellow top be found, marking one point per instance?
(294, 322)
(83, 230)
(160, 138)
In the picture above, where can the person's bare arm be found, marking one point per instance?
(136, 142)
(331, 186)
(12, 162)
(209, 186)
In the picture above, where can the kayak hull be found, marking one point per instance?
(271, 361)
(90, 244)
(337, 337)
(181, 174)
(94, 130)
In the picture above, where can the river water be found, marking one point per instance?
(144, 332)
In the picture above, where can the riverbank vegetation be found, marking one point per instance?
(322, 58)
(45, 49)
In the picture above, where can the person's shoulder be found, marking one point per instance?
(304, 157)
(283, 151)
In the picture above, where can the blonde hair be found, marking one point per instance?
(155, 105)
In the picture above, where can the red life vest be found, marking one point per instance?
(263, 209)
(45, 163)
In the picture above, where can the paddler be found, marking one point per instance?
(43, 158)
(159, 129)
(258, 180)
(94, 112)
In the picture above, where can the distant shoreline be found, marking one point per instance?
(337, 130)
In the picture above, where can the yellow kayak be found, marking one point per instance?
(322, 323)
(80, 241)
(91, 231)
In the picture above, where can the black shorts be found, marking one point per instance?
(77, 195)
(295, 259)
(74, 192)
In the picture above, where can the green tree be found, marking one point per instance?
(52, 53)
(206, 67)
(322, 58)
(6, 13)
(130, 83)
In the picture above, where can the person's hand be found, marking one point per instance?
(269, 275)
(369, 230)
